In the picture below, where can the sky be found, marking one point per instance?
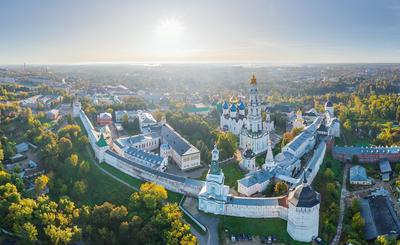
(251, 31)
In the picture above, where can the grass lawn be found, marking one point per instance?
(232, 174)
(121, 175)
(102, 188)
(262, 227)
(172, 196)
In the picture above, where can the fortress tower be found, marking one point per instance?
(303, 213)
(76, 108)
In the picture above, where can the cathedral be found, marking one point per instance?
(233, 117)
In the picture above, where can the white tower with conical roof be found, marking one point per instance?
(269, 158)
(303, 212)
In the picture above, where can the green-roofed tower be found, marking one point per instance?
(102, 142)
(214, 168)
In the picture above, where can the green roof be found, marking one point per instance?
(196, 109)
(214, 169)
(102, 142)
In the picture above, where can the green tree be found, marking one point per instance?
(227, 144)
(80, 188)
(83, 141)
(65, 146)
(357, 222)
(132, 127)
(329, 175)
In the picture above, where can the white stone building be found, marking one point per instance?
(146, 119)
(119, 116)
(331, 121)
(184, 154)
(254, 132)
(214, 194)
(76, 108)
(248, 160)
(299, 121)
(148, 141)
(233, 117)
(255, 182)
(303, 213)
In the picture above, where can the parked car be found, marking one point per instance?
(269, 240)
(263, 239)
(238, 237)
(233, 238)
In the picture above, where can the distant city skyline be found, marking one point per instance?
(231, 31)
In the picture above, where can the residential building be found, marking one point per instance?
(358, 176)
(385, 168)
(185, 155)
(53, 114)
(104, 118)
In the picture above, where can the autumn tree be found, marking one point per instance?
(41, 183)
(149, 197)
(280, 188)
(357, 222)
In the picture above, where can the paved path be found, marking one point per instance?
(343, 196)
(211, 222)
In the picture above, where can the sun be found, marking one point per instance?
(171, 27)
(169, 37)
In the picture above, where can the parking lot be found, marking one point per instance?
(244, 239)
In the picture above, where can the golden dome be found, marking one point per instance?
(253, 80)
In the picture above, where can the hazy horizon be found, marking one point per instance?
(131, 32)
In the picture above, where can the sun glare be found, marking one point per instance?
(169, 34)
(172, 27)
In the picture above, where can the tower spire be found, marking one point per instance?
(253, 80)
(304, 177)
(269, 158)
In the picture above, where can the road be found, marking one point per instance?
(211, 222)
(343, 196)
(348, 194)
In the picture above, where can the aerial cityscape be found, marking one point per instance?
(200, 122)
